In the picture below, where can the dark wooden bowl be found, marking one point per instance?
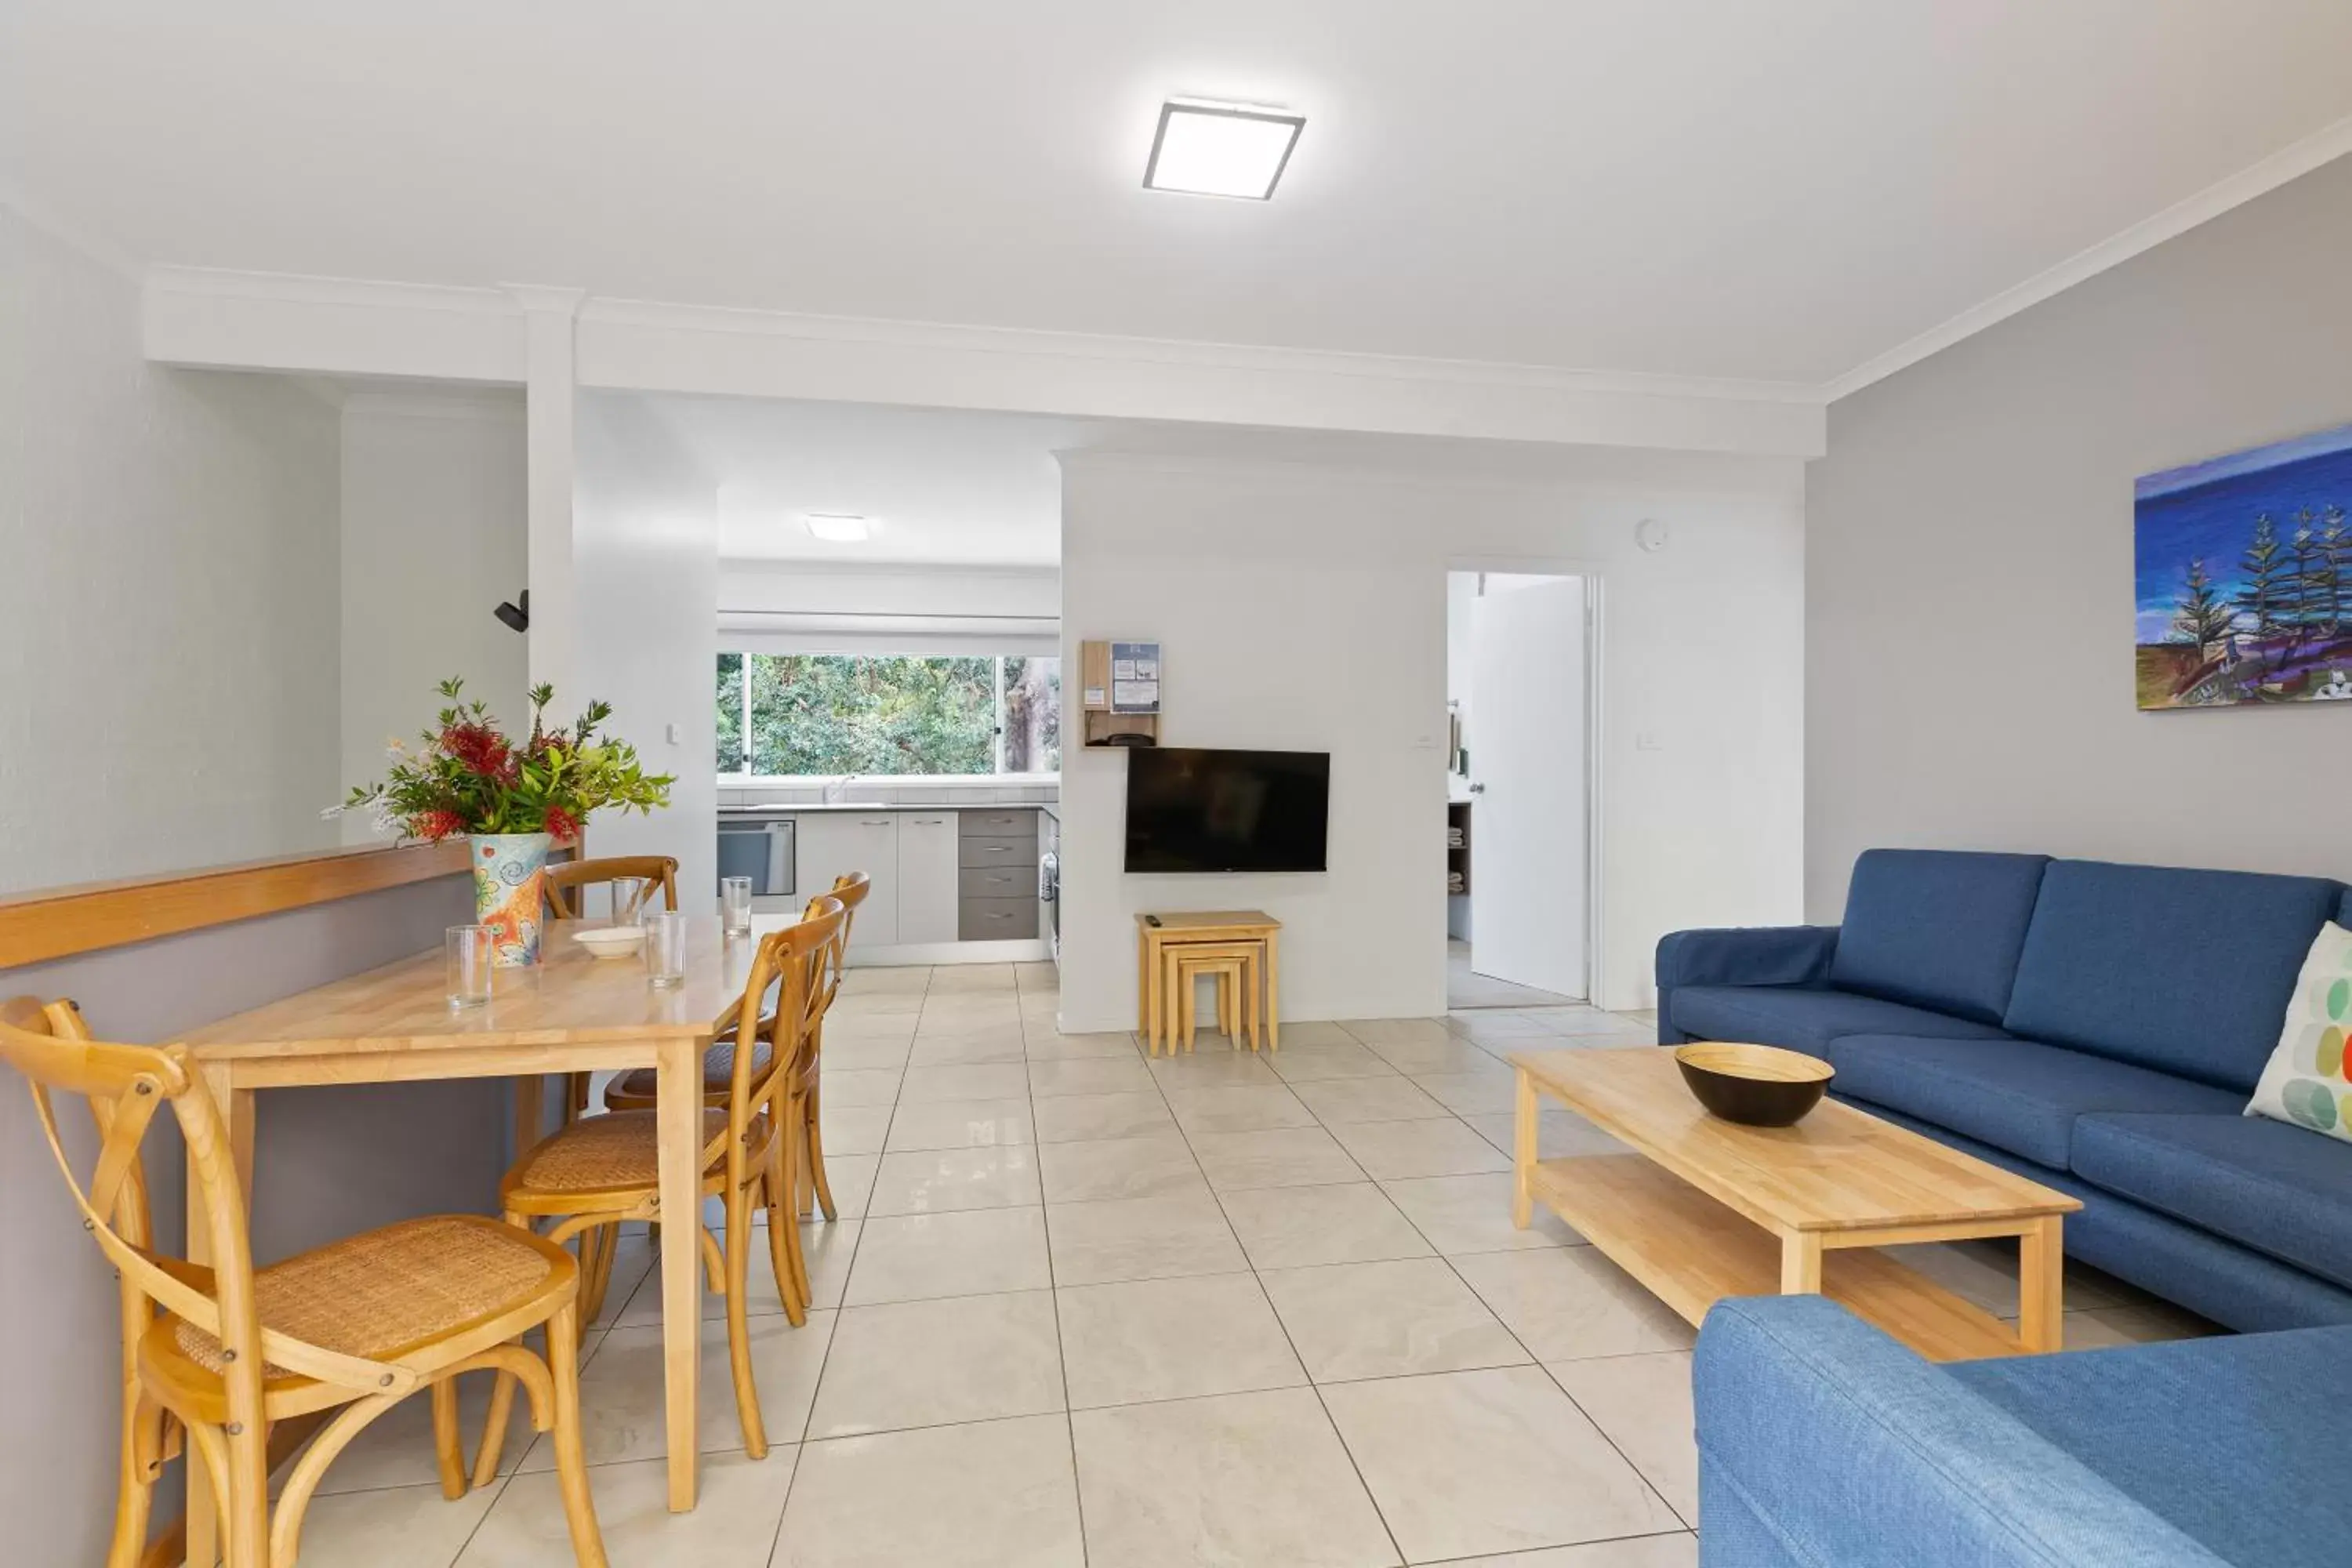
(1757, 1085)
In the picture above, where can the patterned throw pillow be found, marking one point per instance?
(2309, 1079)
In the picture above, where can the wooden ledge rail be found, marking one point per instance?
(58, 922)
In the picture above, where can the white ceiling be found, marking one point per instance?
(1701, 187)
(940, 487)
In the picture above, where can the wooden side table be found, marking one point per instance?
(1155, 1008)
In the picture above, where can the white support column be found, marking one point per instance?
(549, 318)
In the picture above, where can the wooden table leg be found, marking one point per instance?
(1524, 1124)
(1272, 986)
(1146, 1014)
(236, 1115)
(2041, 1286)
(1801, 1263)
(530, 1097)
(677, 1106)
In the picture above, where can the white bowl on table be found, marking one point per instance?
(611, 941)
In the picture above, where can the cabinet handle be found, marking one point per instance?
(870, 822)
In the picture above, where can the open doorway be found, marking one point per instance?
(1517, 872)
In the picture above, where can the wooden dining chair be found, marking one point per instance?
(217, 1355)
(636, 1090)
(569, 880)
(599, 1173)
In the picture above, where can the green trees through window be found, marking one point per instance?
(785, 714)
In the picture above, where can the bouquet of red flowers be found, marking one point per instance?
(467, 777)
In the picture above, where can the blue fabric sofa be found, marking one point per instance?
(1825, 1444)
(2099, 1027)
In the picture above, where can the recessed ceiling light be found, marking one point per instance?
(1221, 149)
(838, 527)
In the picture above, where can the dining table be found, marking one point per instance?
(571, 1012)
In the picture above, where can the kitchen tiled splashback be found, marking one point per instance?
(896, 794)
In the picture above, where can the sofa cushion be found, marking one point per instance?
(2185, 971)
(2017, 1095)
(2276, 1188)
(1937, 928)
(2238, 1443)
(1803, 1017)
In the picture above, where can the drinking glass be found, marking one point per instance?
(468, 952)
(665, 948)
(735, 904)
(628, 900)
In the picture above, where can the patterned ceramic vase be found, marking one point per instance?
(510, 881)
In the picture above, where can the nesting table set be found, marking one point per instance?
(1241, 949)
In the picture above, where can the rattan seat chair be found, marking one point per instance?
(601, 1172)
(635, 1091)
(220, 1353)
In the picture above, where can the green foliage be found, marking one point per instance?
(834, 713)
(467, 776)
(730, 712)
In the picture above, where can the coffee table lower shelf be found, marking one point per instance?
(1691, 1251)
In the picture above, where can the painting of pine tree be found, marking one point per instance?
(2244, 577)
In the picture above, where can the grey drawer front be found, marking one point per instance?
(998, 882)
(996, 919)
(1017, 822)
(1000, 852)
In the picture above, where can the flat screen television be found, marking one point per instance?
(1226, 811)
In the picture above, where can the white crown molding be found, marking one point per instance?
(801, 566)
(545, 298)
(1030, 342)
(2288, 164)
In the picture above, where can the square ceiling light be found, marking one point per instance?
(1221, 149)
(839, 528)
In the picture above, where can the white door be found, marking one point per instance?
(1526, 737)
(927, 877)
(831, 842)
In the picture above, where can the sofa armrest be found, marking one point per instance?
(1745, 955)
(1822, 1441)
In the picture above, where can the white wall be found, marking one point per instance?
(433, 539)
(1305, 606)
(1970, 663)
(645, 550)
(168, 603)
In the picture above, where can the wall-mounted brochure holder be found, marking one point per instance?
(1119, 693)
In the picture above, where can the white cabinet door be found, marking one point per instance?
(829, 843)
(927, 876)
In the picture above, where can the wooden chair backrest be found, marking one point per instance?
(565, 883)
(793, 960)
(125, 1085)
(851, 887)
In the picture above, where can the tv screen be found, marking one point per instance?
(1226, 811)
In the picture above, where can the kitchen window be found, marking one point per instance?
(785, 715)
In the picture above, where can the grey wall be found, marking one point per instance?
(1969, 671)
(327, 1161)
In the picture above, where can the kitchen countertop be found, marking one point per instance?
(887, 806)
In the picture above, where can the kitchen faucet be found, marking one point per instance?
(837, 790)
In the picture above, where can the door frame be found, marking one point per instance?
(1595, 605)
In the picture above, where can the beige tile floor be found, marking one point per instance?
(1083, 1307)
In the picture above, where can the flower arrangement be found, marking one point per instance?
(468, 777)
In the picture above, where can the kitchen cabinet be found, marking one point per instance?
(927, 876)
(831, 843)
(997, 876)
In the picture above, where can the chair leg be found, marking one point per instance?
(448, 1448)
(246, 1523)
(134, 1496)
(783, 1228)
(738, 1326)
(502, 1392)
(570, 1462)
(813, 1141)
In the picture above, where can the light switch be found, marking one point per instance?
(671, 732)
(1646, 741)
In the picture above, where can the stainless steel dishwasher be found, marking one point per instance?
(761, 848)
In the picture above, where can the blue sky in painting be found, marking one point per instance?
(2208, 510)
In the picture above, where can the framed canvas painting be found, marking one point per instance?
(2244, 572)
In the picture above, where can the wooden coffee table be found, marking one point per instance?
(1706, 1208)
